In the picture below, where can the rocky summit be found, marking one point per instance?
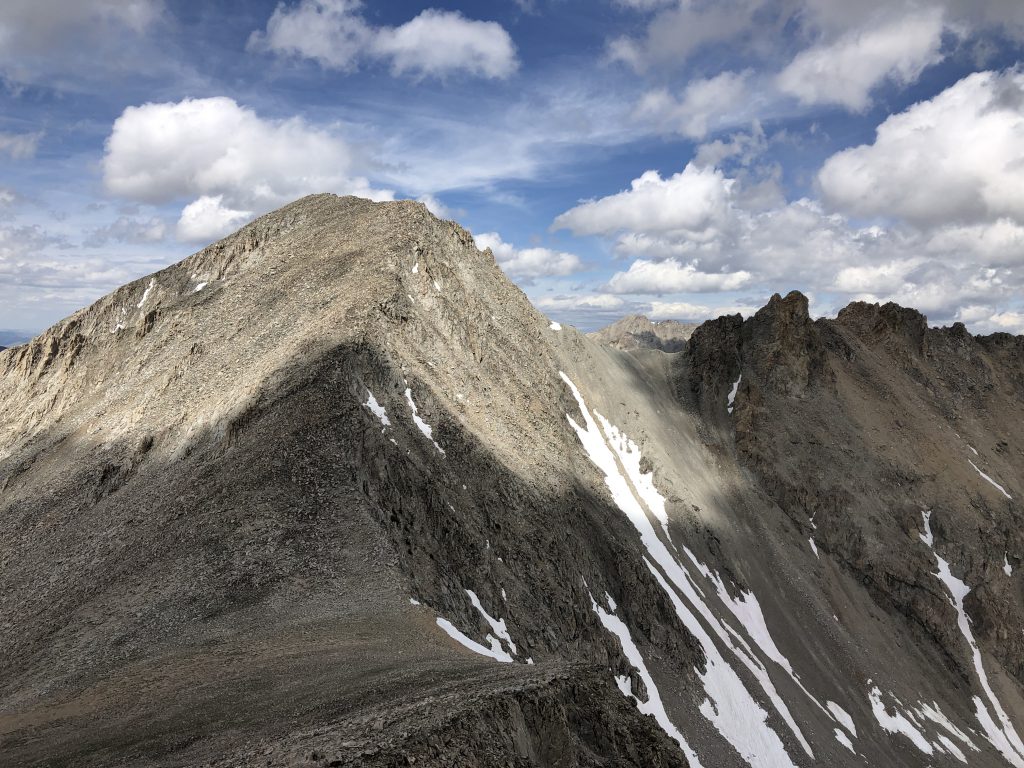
(636, 331)
(331, 492)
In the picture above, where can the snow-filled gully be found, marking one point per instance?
(729, 705)
(999, 730)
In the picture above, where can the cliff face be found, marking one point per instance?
(889, 444)
(332, 492)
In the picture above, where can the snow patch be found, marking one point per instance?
(843, 739)
(990, 480)
(555, 326)
(199, 287)
(498, 625)
(730, 404)
(145, 294)
(897, 723)
(729, 707)
(952, 749)
(1007, 568)
(933, 713)
(927, 536)
(814, 547)
(414, 601)
(416, 268)
(653, 705)
(1003, 735)
(842, 717)
(437, 286)
(495, 653)
(423, 427)
(377, 409)
(643, 482)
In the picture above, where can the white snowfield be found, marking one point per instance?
(555, 326)
(420, 423)
(999, 730)
(729, 706)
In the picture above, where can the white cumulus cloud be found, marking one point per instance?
(528, 263)
(956, 158)
(207, 219)
(695, 201)
(216, 150)
(435, 43)
(671, 276)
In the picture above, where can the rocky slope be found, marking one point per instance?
(332, 492)
(638, 332)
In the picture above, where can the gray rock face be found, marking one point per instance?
(332, 492)
(638, 332)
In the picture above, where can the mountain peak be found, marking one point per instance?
(639, 332)
(340, 449)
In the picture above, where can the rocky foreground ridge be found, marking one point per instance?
(332, 492)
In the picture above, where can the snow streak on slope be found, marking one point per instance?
(730, 706)
(898, 723)
(496, 652)
(377, 409)
(911, 722)
(842, 717)
(498, 625)
(933, 713)
(843, 739)
(145, 293)
(731, 403)
(990, 480)
(653, 705)
(643, 482)
(1002, 735)
(423, 427)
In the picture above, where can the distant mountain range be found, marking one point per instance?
(13, 338)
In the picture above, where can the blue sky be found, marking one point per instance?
(676, 158)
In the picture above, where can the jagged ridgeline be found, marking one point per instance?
(332, 492)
